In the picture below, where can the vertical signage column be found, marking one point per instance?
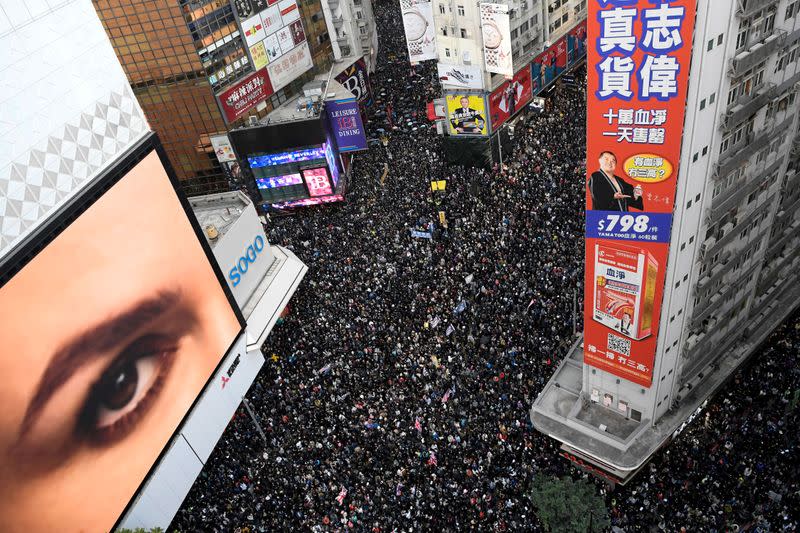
(638, 61)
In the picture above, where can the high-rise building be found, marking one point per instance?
(731, 274)
(459, 40)
(542, 39)
(351, 24)
(181, 56)
(563, 15)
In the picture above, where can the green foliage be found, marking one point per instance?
(566, 506)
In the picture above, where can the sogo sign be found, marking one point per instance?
(250, 256)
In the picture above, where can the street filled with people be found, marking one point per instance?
(396, 393)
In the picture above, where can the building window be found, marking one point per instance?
(705, 150)
(694, 157)
(710, 45)
(444, 31)
(461, 11)
(702, 104)
(791, 9)
(712, 98)
(463, 33)
(447, 52)
(744, 33)
(732, 94)
(441, 9)
(719, 39)
(725, 144)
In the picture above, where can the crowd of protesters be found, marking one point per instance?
(396, 394)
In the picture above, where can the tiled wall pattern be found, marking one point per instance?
(66, 109)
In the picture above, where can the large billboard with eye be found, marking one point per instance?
(117, 325)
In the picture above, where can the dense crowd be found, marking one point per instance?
(396, 394)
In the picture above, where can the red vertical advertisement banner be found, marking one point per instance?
(638, 62)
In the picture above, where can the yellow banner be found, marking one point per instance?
(466, 114)
(259, 55)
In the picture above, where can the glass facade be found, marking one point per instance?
(177, 54)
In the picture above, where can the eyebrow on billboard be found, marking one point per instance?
(85, 347)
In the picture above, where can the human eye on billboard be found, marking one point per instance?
(118, 324)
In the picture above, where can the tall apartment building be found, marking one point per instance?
(732, 272)
(179, 54)
(460, 42)
(351, 25)
(563, 15)
(534, 25)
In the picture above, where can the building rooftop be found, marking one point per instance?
(302, 107)
(219, 211)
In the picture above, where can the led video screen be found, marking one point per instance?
(317, 181)
(110, 333)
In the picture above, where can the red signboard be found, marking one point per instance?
(510, 97)
(638, 68)
(549, 64)
(236, 101)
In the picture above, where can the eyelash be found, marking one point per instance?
(152, 346)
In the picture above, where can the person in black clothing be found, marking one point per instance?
(610, 192)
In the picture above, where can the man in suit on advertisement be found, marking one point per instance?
(467, 120)
(610, 192)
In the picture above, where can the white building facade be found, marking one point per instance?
(351, 24)
(732, 269)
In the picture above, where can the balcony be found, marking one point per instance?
(731, 232)
(734, 194)
(745, 8)
(337, 20)
(753, 143)
(745, 106)
(756, 53)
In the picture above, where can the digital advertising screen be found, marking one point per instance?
(317, 181)
(118, 323)
(638, 68)
(330, 157)
(279, 181)
(283, 158)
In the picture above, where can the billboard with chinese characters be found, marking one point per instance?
(460, 76)
(466, 114)
(237, 100)
(419, 29)
(346, 125)
(355, 79)
(638, 67)
(512, 96)
(275, 38)
(289, 66)
(496, 31)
